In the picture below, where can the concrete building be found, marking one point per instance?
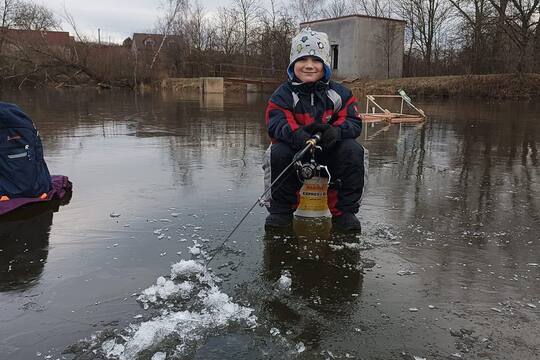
(364, 46)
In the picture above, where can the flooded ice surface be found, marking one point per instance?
(447, 266)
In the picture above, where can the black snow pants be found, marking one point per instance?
(345, 162)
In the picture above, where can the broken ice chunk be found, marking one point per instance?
(285, 281)
(111, 348)
(159, 356)
(405, 272)
(195, 250)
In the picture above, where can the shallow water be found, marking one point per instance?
(448, 263)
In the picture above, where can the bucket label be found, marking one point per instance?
(313, 198)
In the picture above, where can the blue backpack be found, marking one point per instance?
(23, 172)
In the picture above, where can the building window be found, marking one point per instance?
(149, 42)
(335, 56)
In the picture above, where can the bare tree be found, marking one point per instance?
(337, 8)
(248, 12)
(372, 7)
(307, 10)
(269, 21)
(32, 16)
(196, 28)
(172, 10)
(520, 19)
(425, 19)
(389, 39)
(276, 30)
(476, 15)
(228, 37)
(8, 9)
(537, 46)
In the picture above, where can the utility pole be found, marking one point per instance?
(99, 36)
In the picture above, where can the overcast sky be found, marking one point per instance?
(117, 19)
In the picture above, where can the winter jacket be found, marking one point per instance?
(294, 105)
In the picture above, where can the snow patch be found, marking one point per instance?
(191, 307)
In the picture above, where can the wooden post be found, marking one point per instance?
(367, 104)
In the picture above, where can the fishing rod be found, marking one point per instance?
(311, 143)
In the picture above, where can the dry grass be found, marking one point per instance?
(498, 86)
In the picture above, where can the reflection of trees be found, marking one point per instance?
(190, 132)
(492, 147)
(230, 138)
(477, 176)
(62, 116)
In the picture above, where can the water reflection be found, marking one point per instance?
(326, 278)
(455, 200)
(24, 245)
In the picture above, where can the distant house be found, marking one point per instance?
(364, 46)
(141, 41)
(36, 37)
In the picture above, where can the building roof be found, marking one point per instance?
(55, 38)
(352, 16)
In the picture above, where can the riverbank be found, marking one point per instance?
(496, 86)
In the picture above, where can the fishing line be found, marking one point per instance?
(309, 144)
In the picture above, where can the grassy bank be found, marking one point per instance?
(498, 86)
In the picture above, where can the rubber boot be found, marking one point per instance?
(347, 222)
(278, 220)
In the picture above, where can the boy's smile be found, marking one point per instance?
(308, 69)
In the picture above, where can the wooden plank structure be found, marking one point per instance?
(379, 114)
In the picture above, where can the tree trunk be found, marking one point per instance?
(497, 53)
(537, 47)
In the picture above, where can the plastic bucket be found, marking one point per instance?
(314, 198)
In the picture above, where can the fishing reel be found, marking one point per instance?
(308, 169)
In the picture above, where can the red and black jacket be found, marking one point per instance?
(294, 105)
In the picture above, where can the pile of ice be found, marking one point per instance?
(190, 305)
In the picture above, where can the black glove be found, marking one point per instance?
(304, 133)
(330, 136)
(299, 138)
(316, 127)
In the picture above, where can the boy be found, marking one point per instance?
(307, 104)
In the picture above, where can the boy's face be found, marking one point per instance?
(308, 69)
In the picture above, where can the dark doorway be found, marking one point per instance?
(335, 55)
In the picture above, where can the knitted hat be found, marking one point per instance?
(310, 43)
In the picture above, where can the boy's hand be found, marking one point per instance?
(315, 127)
(299, 138)
(330, 136)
